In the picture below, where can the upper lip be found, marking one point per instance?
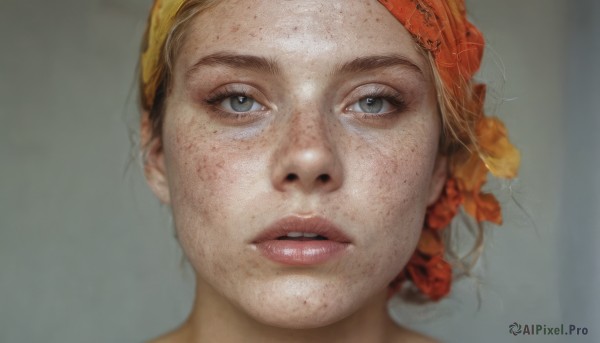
(297, 223)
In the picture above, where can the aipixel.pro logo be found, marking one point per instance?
(516, 329)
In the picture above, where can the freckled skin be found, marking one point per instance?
(226, 182)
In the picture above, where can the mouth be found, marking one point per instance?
(302, 241)
(302, 237)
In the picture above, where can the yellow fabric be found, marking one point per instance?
(161, 19)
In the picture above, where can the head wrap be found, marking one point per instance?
(159, 24)
(440, 27)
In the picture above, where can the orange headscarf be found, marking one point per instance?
(440, 27)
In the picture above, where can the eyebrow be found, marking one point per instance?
(271, 66)
(369, 63)
(232, 60)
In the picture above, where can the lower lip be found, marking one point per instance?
(301, 253)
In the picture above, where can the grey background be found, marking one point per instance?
(87, 254)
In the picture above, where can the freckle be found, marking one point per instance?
(215, 131)
(304, 302)
(255, 16)
(404, 182)
(295, 28)
(377, 19)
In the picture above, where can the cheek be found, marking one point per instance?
(391, 188)
(200, 176)
(207, 184)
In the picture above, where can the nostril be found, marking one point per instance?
(291, 177)
(324, 178)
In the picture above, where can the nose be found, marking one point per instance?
(306, 158)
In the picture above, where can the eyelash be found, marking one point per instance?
(215, 99)
(223, 94)
(395, 99)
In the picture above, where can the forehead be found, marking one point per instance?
(310, 31)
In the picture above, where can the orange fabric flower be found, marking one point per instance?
(432, 276)
(470, 169)
(440, 214)
(498, 154)
(471, 173)
(430, 243)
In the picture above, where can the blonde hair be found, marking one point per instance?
(173, 43)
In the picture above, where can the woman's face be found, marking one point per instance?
(298, 116)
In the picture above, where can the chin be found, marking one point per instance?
(302, 303)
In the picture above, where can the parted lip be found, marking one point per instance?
(297, 223)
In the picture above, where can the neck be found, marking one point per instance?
(215, 319)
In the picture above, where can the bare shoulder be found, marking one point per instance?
(168, 338)
(416, 337)
(176, 336)
(404, 335)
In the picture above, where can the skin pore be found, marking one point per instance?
(297, 108)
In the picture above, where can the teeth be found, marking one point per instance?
(301, 234)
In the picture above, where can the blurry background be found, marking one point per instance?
(87, 254)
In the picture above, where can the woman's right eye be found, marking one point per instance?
(240, 104)
(233, 104)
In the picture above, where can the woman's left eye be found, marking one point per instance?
(240, 104)
(371, 105)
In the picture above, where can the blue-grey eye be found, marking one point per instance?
(241, 103)
(371, 105)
